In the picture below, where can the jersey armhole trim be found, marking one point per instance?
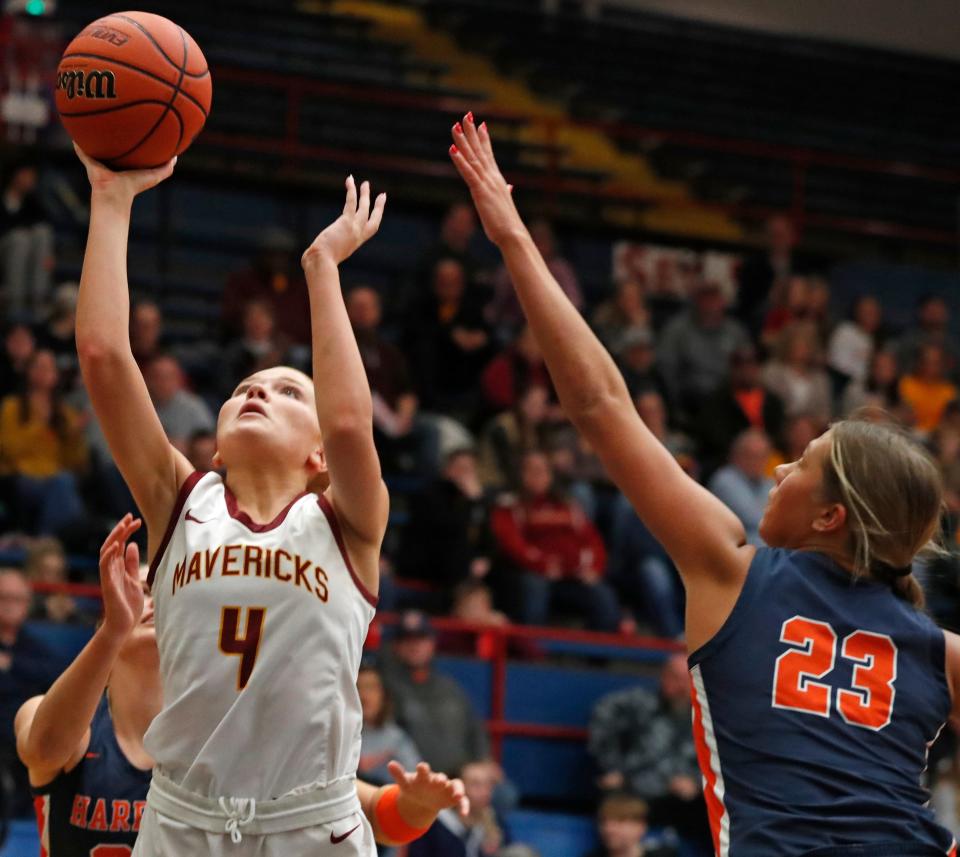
(331, 516)
(188, 485)
(743, 603)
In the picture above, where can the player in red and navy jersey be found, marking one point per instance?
(83, 741)
(818, 683)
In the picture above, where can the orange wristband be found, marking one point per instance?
(390, 821)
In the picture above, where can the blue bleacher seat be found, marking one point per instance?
(553, 834)
(22, 839)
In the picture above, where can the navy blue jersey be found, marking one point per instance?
(814, 707)
(95, 809)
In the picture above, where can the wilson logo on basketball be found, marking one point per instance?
(90, 84)
(106, 34)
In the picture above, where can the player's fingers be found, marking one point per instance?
(473, 138)
(115, 533)
(486, 145)
(373, 224)
(462, 142)
(132, 561)
(350, 206)
(363, 207)
(398, 772)
(467, 172)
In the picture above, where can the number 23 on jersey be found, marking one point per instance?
(868, 703)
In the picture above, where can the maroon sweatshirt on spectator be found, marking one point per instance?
(534, 532)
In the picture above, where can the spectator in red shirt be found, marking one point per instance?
(558, 552)
(275, 276)
(512, 372)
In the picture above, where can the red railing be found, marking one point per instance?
(552, 181)
(498, 726)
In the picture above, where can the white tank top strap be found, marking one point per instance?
(239, 816)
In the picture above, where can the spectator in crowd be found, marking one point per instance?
(653, 411)
(642, 743)
(853, 342)
(19, 344)
(798, 432)
(743, 484)
(796, 376)
(457, 231)
(473, 603)
(643, 573)
(636, 356)
(448, 342)
(201, 448)
(766, 270)
(555, 550)
(47, 565)
(504, 312)
(382, 740)
(432, 708)
(695, 347)
(181, 412)
(790, 304)
(58, 335)
(513, 371)
(927, 390)
(259, 347)
(146, 331)
(932, 328)
(448, 538)
(743, 403)
(508, 436)
(617, 315)
(26, 243)
(42, 446)
(275, 276)
(879, 389)
(624, 832)
(402, 440)
(480, 834)
(27, 667)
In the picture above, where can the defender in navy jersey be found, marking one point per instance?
(90, 772)
(818, 682)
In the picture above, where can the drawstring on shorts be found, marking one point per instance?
(239, 811)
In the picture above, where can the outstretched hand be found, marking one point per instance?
(430, 790)
(472, 155)
(125, 184)
(357, 225)
(120, 579)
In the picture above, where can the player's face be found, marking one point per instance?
(272, 415)
(795, 501)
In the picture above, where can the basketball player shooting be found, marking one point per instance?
(89, 771)
(263, 589)
(818, 684)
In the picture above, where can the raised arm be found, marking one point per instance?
(151, 467)
(344, 404)
(52, 731)
(701, 535)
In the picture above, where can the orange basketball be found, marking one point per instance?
(133, 90)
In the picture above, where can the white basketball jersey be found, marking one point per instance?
(261, 630)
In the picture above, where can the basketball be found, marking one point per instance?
(133, 89)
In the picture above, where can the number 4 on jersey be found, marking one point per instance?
(231, 643)
(869, 704)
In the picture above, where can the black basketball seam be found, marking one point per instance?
(145, 73)
(179, 119)
(158, 46)
(166, 110)
(113, 109)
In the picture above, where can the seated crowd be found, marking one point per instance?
(500, 512)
